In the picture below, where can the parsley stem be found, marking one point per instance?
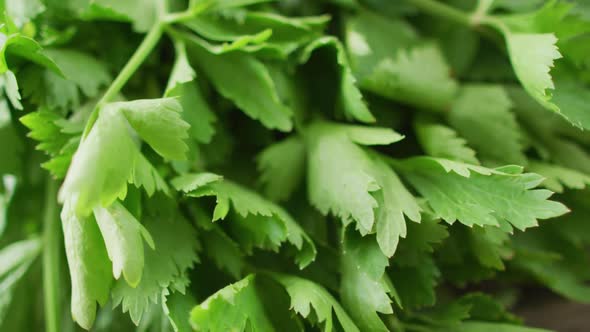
(471, 20)
(141, 53)
(51, 253)
(443, 10)
(187, 14)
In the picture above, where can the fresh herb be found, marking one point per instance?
(260, 165)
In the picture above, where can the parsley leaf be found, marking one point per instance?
(109, 157)
(123, 236)
(306, 295)
(89, 265)
(476, 195)
(232, 308)
(258, 223)
(165, 267)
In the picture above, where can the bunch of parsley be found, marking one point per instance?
(258, 165)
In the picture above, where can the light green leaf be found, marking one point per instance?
(338, 178)
(532, 57)
(109, 156)
(233, 308)
(281, 168)
(43, 128)
(306, 295)
(24, 47)
(159, 123)
(89, 265)
(9, 84)
(123, 235)
(102, 165)
(532, 41)
(352, 184)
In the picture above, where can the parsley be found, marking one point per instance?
(266, 165)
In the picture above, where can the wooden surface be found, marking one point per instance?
(546, 310)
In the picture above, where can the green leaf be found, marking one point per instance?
(306, 295)
(23, 11)
(481, 114)
(416, 282)
(123, 235)
(10, 86)
(12, 145)
(363, 288)
(223, 250)
(236, 307)
(395, 203)
(44, 128)
(109, 157)
(15, 260)
(281, 168)
(532, 41)
(350, 97)
(89, 265)
(570, 96)
(143, 14)
(356, 186)
(388, 59)
(196, 110)
(480, 196)
(175, 253)
(228, 4)
(532, 57)
(258, 99)
(159, 123)
(23, 47)
(85, 71)
(557, 177)
(414, 272)
(344, 191)
(273, 35)
(259, 223)
(178, 307)
(443, 142)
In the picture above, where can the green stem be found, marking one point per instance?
(475, 20)
(51, 254)
(442, 10)
(186, 15)
(142, 52)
